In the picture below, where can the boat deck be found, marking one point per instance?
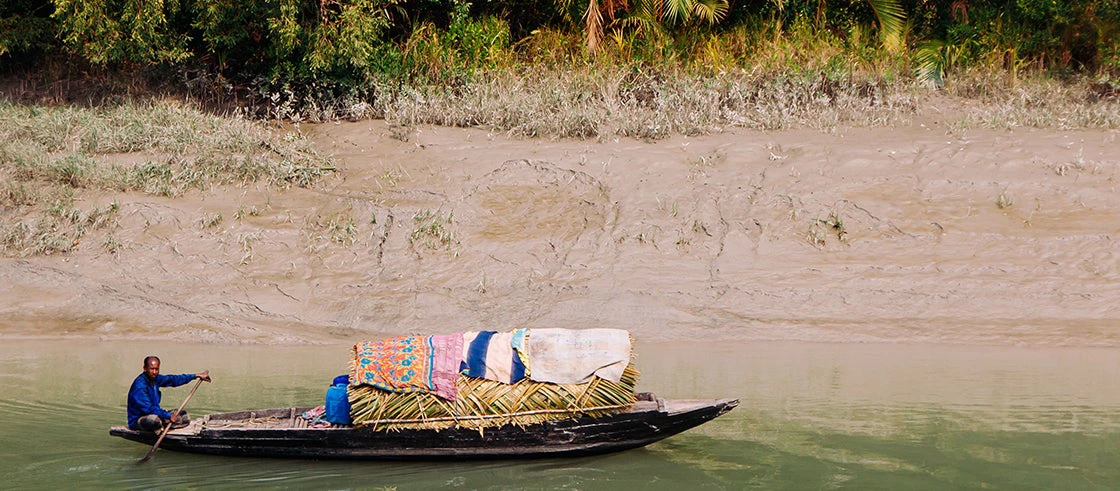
(263, 419)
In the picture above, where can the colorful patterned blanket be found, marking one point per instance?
(408, 364)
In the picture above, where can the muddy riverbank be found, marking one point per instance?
(920, 233)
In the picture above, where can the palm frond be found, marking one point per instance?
(710, 11)
(930, 62)
(643, 16)
(593, 26)
(891, 17)
(675, 11)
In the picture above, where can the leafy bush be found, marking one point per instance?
(301, 59)
(26, 29)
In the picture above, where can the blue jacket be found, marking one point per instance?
(143, 396)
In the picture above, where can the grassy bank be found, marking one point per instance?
(61, 165)
(598, 102)
(52, 155)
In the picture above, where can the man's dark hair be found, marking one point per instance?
(147, 358)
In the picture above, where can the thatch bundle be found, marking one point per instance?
(485, 403)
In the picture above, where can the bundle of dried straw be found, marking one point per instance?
(485, 403)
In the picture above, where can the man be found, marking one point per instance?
(144, 412)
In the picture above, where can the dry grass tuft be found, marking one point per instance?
(433, 231)
(1038, 101)
(617, 101)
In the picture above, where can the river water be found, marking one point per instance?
(860, 416)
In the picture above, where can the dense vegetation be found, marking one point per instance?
(288, 55)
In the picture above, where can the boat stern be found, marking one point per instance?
(149, 437)
(136, 436)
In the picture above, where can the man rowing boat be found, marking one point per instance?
(144, 412)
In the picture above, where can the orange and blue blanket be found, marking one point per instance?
(409, 364)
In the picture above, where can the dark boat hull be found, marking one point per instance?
(648, 422)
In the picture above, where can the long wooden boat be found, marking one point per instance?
(283, 433)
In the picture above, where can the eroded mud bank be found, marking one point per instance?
(916, 234)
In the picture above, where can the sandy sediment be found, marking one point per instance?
(910, 234)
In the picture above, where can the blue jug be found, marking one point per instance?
(338, 405)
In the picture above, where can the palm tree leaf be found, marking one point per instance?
(929, 61)
(710, 11)
(593, 25)
(891, 17)
(676, 11)
(642, 17)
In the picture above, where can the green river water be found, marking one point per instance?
(812, 416)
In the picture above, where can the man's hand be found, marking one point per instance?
(203, 375)
(174, 418)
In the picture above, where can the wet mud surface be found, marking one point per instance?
(913, 234)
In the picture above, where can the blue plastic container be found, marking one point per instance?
(338, 405)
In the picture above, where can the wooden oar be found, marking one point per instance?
(168, 427)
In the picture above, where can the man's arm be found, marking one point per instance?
(185, 378)
(175, 381)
